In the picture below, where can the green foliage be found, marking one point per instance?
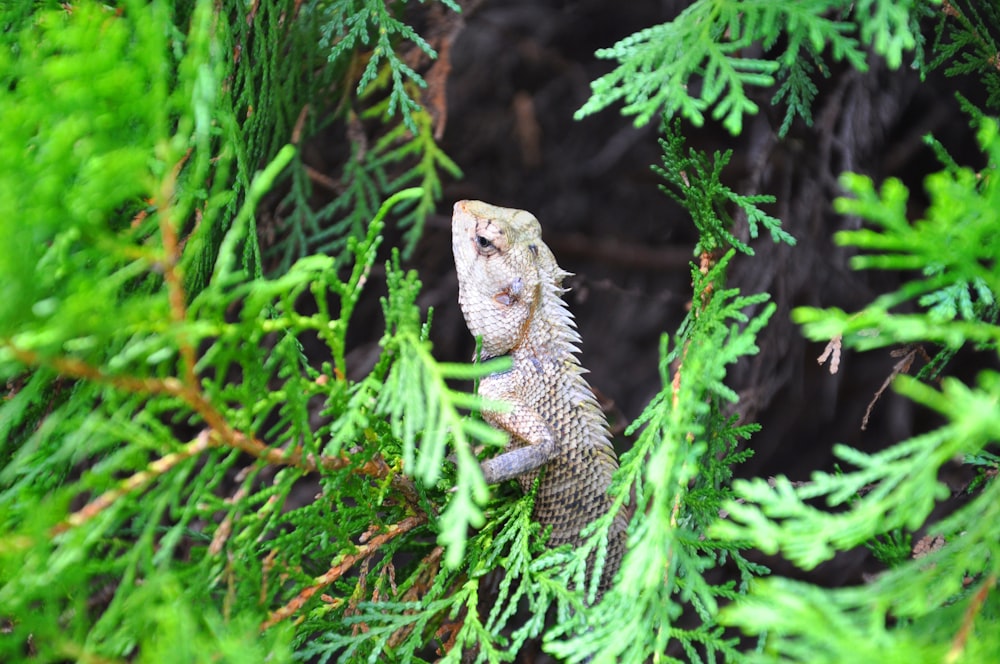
(161, 416)
(364, 38)
(679, 469)
(658, 66)
(400, 146)
(196, 468)
(971, 44)
(449, 609)
(893, 549)
(940, 603)
(695, 183)
(352, 23)
(957, 286)
(429, 413)
(80, 144)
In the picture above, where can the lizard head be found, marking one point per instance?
(503, 267)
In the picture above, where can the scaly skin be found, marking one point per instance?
(510, 290)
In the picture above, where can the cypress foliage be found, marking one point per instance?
(161, 418)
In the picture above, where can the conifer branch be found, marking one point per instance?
(134, 483)
(221, 432)
(981, 42)
(174, 280)
(343, 564)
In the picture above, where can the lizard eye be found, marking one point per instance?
(484, 245)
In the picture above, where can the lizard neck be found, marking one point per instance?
(551, 331)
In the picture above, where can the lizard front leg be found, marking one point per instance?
(539, 444)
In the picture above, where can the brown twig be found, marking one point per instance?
(975, 604)
(219, 432)
(429, 566)
(135, 482)
(908, 354)
(706, 261)
(225, 528)
(299, 124)
(176, 294)
(324, 180)
(340, 568)
(73, 368)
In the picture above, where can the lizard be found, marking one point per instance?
(510, 292)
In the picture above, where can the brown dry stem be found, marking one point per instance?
(975, 604)
(343, 564)
(218, 434)
(908, 354)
